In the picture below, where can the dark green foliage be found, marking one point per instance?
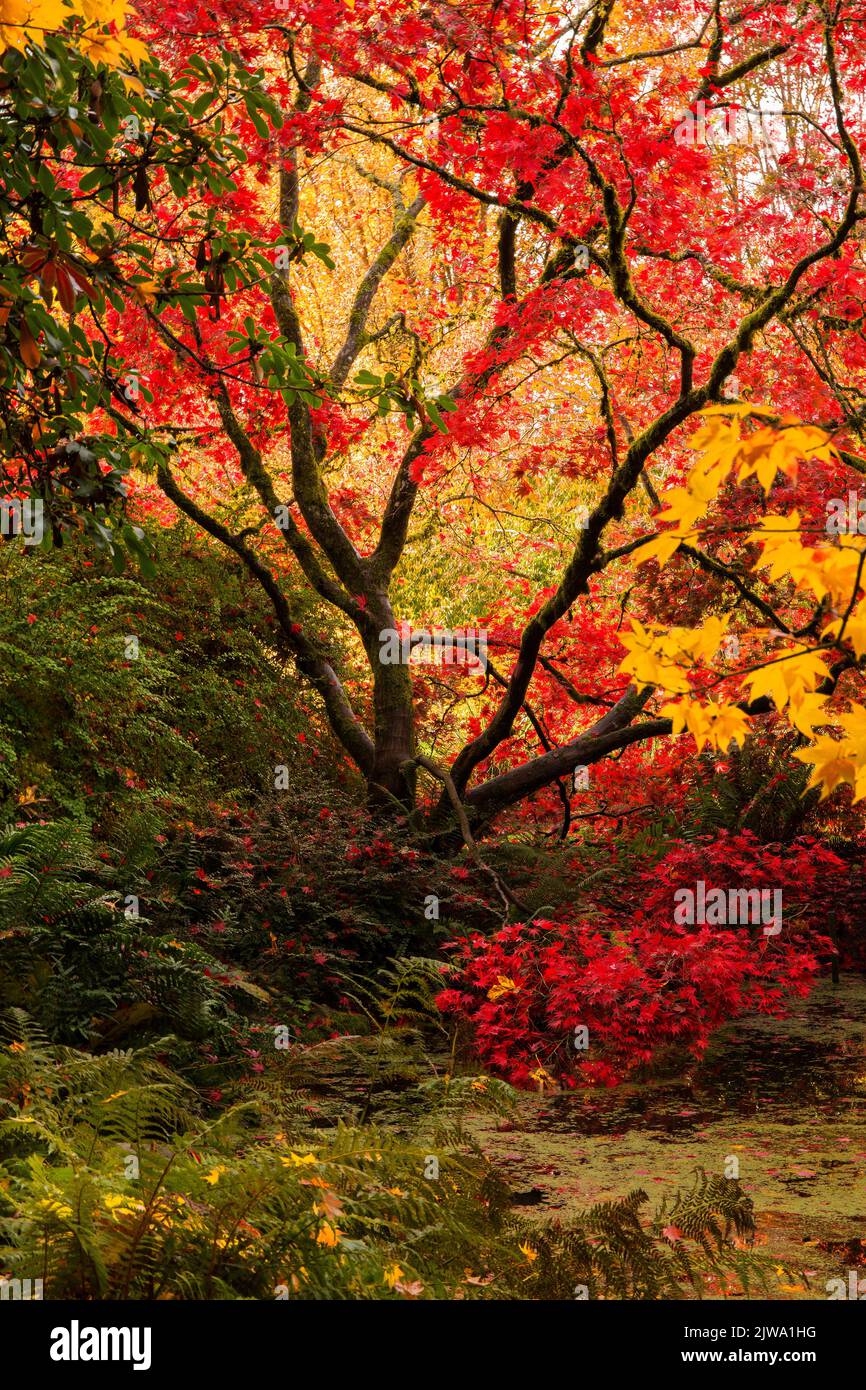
(612, 1250)
(307, 895)
(196, 722)
(760, 788)
(72, 953)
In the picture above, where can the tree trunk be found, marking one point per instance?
(390, 783)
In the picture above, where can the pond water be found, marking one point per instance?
(785, 1098)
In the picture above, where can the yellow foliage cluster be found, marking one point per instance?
(787, 677)
(663, 656)
(763, 453)
(828, 571)
(714, 724)
(102, 35)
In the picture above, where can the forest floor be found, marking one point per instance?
(785, 1097)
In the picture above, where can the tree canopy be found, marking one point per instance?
(422, 311)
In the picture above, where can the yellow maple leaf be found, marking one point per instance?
(807, 710)
(854, 724)
(102, 37)
(717, 725)
(651, 658)
(771, 450)
(504, 985)
(542, 1076)
(792, 673)
(808, 567)
(832, 767)
(860, 784)
(660, 548)
(855, 630)
(839, 568)
(729, 725)
(145, 292)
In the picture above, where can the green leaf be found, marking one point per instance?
(260, 124)
(434, 415)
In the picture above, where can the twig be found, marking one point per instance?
(443, 775)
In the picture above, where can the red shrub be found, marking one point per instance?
(635, 978)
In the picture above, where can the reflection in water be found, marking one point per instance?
(783, 1070)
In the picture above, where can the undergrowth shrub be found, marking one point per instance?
(305, 896)
(598, 994)
(72, 955)
(113, 1185)
(133, 743)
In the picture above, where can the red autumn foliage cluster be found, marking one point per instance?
(635, 978)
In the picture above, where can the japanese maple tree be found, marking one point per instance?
(458, 311)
